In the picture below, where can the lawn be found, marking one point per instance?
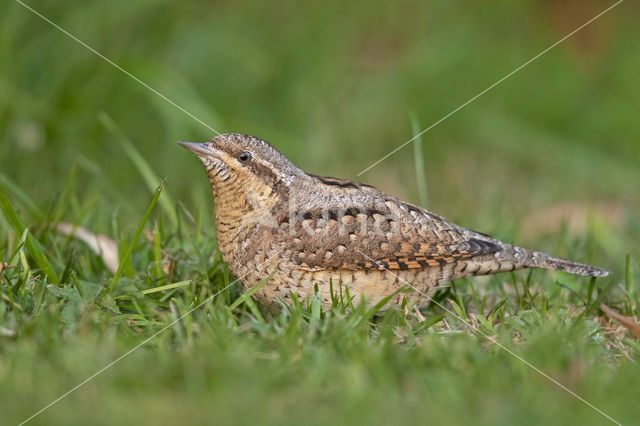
(549, 159)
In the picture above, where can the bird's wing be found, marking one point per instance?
(383, 233)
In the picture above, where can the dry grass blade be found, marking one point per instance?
(102, 245)
(629, 322)
(5, 265)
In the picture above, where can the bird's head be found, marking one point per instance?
(242, 166)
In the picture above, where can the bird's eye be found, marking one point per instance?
(244, 157)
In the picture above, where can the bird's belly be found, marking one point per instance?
(370, 286)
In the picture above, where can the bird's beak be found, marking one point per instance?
(197, 148)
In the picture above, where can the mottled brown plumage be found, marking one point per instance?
(307, 230)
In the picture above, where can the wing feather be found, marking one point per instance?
(379, 233)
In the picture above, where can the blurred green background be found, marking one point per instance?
(332, 85)
(555, 149)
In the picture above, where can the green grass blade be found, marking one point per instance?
(127, 253)
(249, 292)
(254, 310)
(429, 322)
(32, 244)
(372, 311)
(34, 211)
(145, 170)
(496, 310)
(167, 287)
(628, 273)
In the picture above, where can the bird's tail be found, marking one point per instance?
(502, 257)
(543, 260)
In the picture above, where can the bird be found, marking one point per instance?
(310, 234)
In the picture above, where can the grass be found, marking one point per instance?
(219, 355)
(548, 159)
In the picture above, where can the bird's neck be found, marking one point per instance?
(241, 210)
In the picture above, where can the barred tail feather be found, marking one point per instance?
(510, 258)
(519, 257)
(543, 260)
